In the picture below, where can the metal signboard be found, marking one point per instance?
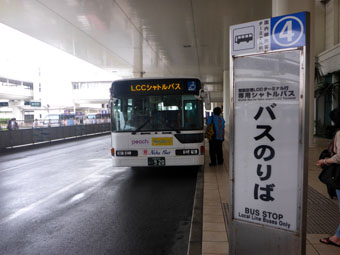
(2, 104)
(269, 34)
(268, 135)
(35, 104)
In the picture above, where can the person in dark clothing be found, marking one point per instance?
(334, 152)
(12, 124)
(215, 144)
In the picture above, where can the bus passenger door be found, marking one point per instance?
(190, 113)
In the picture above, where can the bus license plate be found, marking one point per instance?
(156, 161)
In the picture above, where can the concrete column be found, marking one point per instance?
(320, 27)
(226, 100)
(282, 7)
(137, 68)
(332, 23)
(16, 111)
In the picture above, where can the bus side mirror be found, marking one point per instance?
(115, 102)
(208, 106)
(205, 95)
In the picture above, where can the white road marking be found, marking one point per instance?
(44, 160)
(77, 197)
(30, 163)
(100, 159)
(45, 199)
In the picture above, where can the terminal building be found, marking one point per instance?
(25, 101)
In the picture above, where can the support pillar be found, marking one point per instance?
(137, 68)
(226, 100)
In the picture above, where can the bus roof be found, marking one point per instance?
(155, 86)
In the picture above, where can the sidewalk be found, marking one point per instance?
(322, 212)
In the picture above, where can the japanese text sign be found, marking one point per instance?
(146, 86)
(266, 145)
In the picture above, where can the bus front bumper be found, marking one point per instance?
(169, 161)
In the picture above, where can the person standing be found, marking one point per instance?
(9, 124)
(35, 123)
(12, 124)
(334, 150)
(215, 144)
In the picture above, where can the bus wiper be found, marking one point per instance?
(174, 129)
(141, 126)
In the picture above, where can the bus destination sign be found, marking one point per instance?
(156, 87)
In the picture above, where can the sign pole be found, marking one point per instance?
(269, 135)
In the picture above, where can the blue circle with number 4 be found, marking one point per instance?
(288, 31)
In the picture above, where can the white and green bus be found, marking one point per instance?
(157, 122)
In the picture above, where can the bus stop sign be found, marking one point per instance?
(268, 135)
(281, 32)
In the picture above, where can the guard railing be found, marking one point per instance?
(19, 137)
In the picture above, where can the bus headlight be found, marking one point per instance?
(187, 152)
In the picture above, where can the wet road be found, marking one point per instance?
(68, 199)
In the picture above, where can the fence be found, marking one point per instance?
(12, 138)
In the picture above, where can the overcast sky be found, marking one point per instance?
(23, 56)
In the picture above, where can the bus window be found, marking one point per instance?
(117, 115)
(157, 113)
(192, 109)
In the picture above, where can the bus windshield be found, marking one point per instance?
(157, 113)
